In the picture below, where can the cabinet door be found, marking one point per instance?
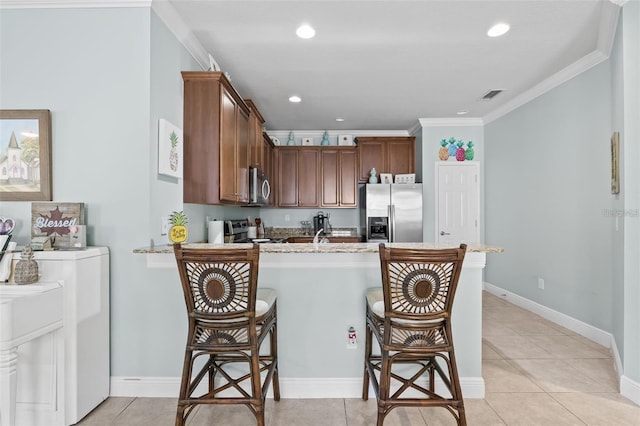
(228, 153)
(373, 154)
(308, 172)
(287, 177)
(338, 178)
(401, 157)
(330, 178)
(242, 155)
(348, 182)
(267, 159)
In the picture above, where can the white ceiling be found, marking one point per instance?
(382, 65)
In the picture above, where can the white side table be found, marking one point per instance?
(28, 312)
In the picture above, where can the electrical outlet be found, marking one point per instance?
(165, 225)
(540, 283)
(287, 217)
(352, 338)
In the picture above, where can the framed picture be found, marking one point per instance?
(25, 155)
(615, 163)
(169, 149)
(386, 178)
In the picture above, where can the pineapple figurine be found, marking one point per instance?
(468, 155)
(452, 147)
(443, 153)
(173, 154)
(460, 151)
(178, 232)
(26, 270)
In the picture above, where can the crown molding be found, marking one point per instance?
(606, 37)
(167, 13)
(451, 122)
(69, 4)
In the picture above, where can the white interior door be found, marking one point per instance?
(457, 202)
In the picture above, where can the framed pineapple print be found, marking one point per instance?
(615, 163)
(169, 149)
(25, 155)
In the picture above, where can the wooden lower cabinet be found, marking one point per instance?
(308, 239)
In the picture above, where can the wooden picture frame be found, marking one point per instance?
(615, 163)
(25, 155)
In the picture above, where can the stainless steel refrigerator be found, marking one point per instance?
(392, 212)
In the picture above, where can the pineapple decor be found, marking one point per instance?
(178, 232)
(460, 151)
(26, 270)
(452, 147)
(173, 154)
(468, 155)
(443, 153)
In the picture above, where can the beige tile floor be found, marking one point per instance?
(536, 373)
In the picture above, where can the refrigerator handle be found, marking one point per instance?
(392, 220)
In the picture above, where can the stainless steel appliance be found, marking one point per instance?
(259, 188)
(391, 212)
(321, 223)
(239, 229)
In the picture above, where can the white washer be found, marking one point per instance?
(84, 275)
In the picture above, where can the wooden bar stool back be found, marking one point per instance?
(229, 318)
(410, 318)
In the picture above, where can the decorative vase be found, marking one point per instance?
(452, 147)
(26, 271)
(292, 140)
(468, 155)
(325, 139)
(460, 151)
(443, 153)
(372, 176)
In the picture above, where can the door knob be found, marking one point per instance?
(444, 233)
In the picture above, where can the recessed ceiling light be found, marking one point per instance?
(498, 29)
(305, 31)
(295, 99)
(463, 112)
(339, 119)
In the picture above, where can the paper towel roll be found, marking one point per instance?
(252, 232)
(216, 232)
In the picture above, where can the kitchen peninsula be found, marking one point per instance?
(321, 291)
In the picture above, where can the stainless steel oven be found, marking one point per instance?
(259, 188)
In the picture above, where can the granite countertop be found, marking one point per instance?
(317, 248)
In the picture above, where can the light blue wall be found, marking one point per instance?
(617, 229)
(547, 187)
(631, 181)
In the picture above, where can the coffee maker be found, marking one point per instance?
(321, 223)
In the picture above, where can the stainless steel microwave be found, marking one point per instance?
(259, 188)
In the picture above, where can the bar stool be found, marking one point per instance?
(229, 318)
(410, 317)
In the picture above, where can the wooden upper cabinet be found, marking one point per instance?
(308, 174)
(256, 147)
(339, 180)
(394, 154)
(215, 133)
(297, 177)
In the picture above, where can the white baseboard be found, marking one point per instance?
(290, 388)
(628, 388)
(590, 332)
